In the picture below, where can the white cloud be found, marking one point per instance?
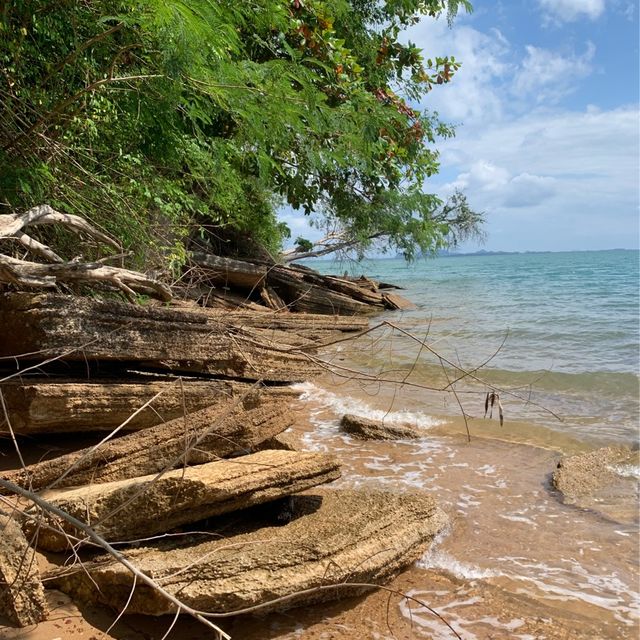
(571, 10)
(549, 76)
(473, 95)
(556, 180)
(492, 186)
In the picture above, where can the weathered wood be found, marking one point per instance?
(43, 405)
(307, 297)
(80, 329)
(21, 592)
(225, 271)
(146, 506)
(336, 537)
(394, 301)
(151, 450)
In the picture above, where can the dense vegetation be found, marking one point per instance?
(162, 119)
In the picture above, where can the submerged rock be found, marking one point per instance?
(334, 538)
(367, 429)
(148, 505)
(597, 481)
(21, 592)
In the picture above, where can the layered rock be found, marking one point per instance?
(84, 329)
(336, 537)
(67, 405)
(145, 506)
(604, 480)
(585, 473)
(367, 429)
(200, 437)
(21, 592)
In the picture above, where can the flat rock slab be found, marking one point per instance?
(336, 537)
(203, 436)
(366, 429)
(69, 405)
(36, 326)
(21, 592)
(585, 473)
(149, 505)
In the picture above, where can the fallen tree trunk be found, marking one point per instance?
(141, 507)
(336, 537)
(153, 449)
(226, 271)
(34, 274)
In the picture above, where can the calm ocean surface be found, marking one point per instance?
(570, 323)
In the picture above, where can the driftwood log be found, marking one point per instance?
(33, 274)
(294, 288)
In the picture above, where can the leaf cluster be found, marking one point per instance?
(158, 117)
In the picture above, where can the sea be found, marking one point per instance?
(556, 337)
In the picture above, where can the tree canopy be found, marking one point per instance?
(160, 119)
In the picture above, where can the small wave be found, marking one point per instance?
(626, 470)
(345, 404)
(435, 558)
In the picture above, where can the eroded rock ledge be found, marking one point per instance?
(336, 537)
(193, 402)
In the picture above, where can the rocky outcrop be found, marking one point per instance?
(63, 405)
(367, 429)
(21, 592)
(583, 474)
(335, 537)
(85, 330)
(203, 436)
(145, 506)
(604, 480)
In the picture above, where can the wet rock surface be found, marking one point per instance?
(367, 429)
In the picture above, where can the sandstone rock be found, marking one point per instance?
(148, 505)
(366, 429)
(151, 450)
(66, 405)
(602, 481)
(336, 537)
(86, 330)
(585, 473)
(21, 592)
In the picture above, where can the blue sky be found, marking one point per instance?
(546, 107)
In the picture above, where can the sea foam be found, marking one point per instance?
(344, 404)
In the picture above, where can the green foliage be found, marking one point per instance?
(156, 117)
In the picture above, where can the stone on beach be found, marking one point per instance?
(336, 537)
(220, 433)
(146, 506)
(21, 592)
(43, 405)
(367, 429)
(592, 481)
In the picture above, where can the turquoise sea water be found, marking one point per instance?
(570, 323)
